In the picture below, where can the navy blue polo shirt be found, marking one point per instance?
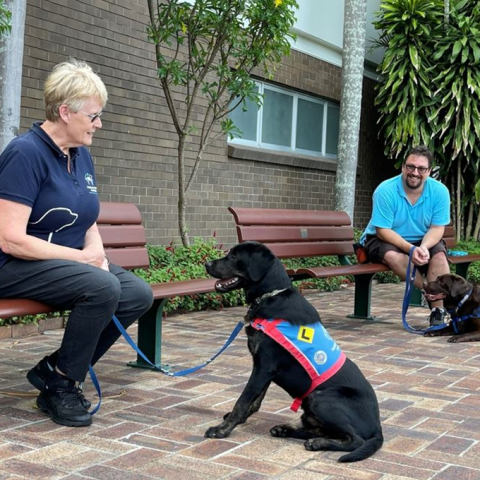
(33, 171)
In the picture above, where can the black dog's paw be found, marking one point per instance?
(281, 431)
(217, 432)
(454, 339)
(315, 444)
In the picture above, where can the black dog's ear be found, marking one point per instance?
(260, 264)
(459, 287)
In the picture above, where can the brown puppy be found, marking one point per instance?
(453, 290)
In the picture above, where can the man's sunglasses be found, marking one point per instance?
(421, 170)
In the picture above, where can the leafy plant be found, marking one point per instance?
(407, 28)
(206, 51)
(5, 19)
(430, 93)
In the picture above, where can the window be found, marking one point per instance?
(288, 121)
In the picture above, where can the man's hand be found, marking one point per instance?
(420, 256)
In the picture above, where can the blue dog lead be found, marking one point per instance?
(406, 299)
(181, 373)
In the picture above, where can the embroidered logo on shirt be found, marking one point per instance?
(90, 183)
(306, 334)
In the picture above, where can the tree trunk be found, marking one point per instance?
(182, 194)
(459, 200)
(476, 232)
(469, 225)
(11, 60)
(353, 57)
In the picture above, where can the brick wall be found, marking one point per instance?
(135, 152)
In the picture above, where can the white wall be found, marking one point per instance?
(319, 30)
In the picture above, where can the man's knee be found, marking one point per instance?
(440, 259)
(393, 258)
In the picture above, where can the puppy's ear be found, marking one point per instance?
(459, 287)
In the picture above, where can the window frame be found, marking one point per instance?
(258, 143)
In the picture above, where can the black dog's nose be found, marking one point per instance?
(208, 264)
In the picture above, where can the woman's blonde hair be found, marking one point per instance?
(71, 83)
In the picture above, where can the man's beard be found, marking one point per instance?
(417, 185)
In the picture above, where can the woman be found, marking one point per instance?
(50, 247)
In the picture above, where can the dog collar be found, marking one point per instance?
(247, 319)
(463, 300)
(259, 300)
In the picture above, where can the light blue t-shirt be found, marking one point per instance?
(393, 210)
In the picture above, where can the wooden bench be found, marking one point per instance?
(311, 233)
(123, 237)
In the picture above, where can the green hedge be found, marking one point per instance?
(174, 263)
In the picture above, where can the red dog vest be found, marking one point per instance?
(312, 347)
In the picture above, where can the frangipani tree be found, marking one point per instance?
(206, 51)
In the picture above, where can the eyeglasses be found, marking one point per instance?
(421, 170)
(92, 116)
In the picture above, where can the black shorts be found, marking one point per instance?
(376, 250)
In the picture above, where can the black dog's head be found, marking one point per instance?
(449, 288)
(253, 267)
(249, 265)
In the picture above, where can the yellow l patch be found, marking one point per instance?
(305, 334)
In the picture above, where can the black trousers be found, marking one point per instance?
(93, 295)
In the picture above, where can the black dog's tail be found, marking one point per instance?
(367, 449)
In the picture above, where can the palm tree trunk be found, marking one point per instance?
(351, 103)
(11, 61)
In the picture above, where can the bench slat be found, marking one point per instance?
(294, 234)
(298, 250)
(264, 216)
(116, 213)
(122, 235)
(183, 288)
(473, 257)
(128, 258)
(17, 307)
(326, 272)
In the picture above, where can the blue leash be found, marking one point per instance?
(181, 373)
(406, 299)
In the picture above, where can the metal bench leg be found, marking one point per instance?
(462, 269)
(416, 298)
(150, 336)
(363, 295)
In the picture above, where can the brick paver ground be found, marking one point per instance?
(151, 426)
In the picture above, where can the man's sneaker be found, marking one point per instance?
(40, 372)
(437, 317)
(61, 399)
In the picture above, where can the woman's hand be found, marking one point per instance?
(92, 255)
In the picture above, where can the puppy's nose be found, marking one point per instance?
(208, 264)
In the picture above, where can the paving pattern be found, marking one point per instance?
(151, 426)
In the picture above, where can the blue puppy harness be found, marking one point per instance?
(312, 347)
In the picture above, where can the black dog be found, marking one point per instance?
(462, 299)
(339, 414)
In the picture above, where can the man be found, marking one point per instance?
(411, 209)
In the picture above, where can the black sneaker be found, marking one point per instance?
(437, 317)
(61, 399)
(37, 375)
